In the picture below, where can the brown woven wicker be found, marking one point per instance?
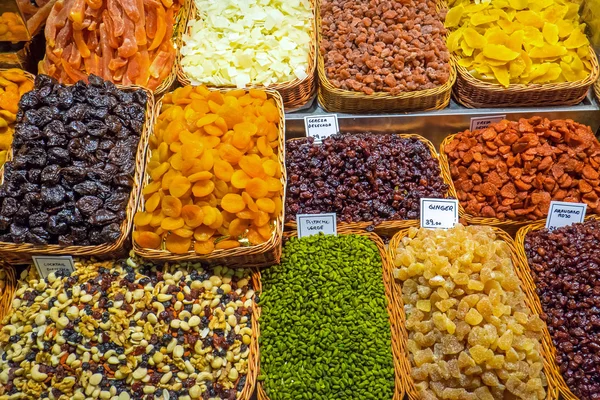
(546, 349)
(21, 253)
(524, 273)
(385, 228)
(266, 253)
(507, 225)
(474, 93)
(597, 89)
(334, 99)
(8, 283)
(295, 94)
(392, 308)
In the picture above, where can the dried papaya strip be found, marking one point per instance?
(106, 52)
(51, 29)
(131, 10)
(74, 58)
(129, 47)
(167, 3)
(91, 64)
(94, 4)
(151, 21)
(80, 43)
(117, 63)
(140, 25)
(116, 15)
(74, 75)
(118, 74)
(133, 70)
(77, 14)
(64, 36)
(109, 23)
(144, 62)
(158, 64)
(161, 28)
(92, 42)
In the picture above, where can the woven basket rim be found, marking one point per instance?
(545, 349)
(532, 87)
(526, 272)
(185, 80)
(392, 308)
(388, 224)
(27, 249)
(274, 241)
(7, 294)
(325, 83)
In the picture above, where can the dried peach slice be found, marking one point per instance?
(177, 244)
(148, 240)
(233, 203)
(192, 215)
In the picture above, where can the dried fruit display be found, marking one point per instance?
(520, 42)
(13, 84)
(383, 46)
(324, 316)
(469, 330)
(254, 42)
(362, 177)
(565, 265)
(74, 160)
(512, 170)
(124, 41)
(121, 330)
(214, 173)
(12, 28)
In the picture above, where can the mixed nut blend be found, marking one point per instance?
(565, 264)
(470, 333)
(325, 331)
(121, 330)
(362, 177)
(73, 164)
(512, 170)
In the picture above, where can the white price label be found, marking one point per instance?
(48, 264)
(564, 214)
(313, 224)
(321, 126)
(439, 213)
(484, 122)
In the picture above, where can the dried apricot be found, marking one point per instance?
(200, 176)
(177, 244)
(227, 244)
(204, 247)
(252, 166)
(168, 177)
(171, 224)
(239, 179)
(230, 154)
(246, 214)
(265, 231)
(254, 237)
(223, 170)
(274, 184)
(261, 219)
(257, 188)
(153, 202)
(264, 146)
(249, 202)
(171, 206)
(179, 186)
(148, 240)
(184, 232)
(192, 215)
(238, 226)
(151, 188)
(203, 233)
(267, 205)
(203, 188)
(210, 215)
(142, 218)
(157, 218)
(233, 203)
(271, 168)
(218, 222)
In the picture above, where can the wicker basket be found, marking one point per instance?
(475, 93)
(393, 308)
(264, 254)
(296, 94)
(333, 99)
(525, 275)
(385, 228)
(546, 343)
(8, 283)
(509, 226)
(597, 89)
(21, 253)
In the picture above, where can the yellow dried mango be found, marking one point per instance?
(214, 172)
(550, 33)
(473, 39)
(499, 52)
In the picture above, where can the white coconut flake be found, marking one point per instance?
(238, 43)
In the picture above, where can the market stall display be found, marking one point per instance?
(470, 328)
(520, 53)
(129, 42)
(507, 174)
(130, 329)
(251, 44)
(8, 284)
(323, 321)
(366, 179)
(13, 84)
(215, 178)
(564, 268)
(389, 57)
(72, 182)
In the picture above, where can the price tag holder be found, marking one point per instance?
(439, 213)
(564, 214)
(321, 126)
(313, 224)
(484, 122)
(48, 264)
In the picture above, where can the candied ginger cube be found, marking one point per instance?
(423, 356)
(495, 362)
(480, 354)
(505, 341)
(490, 379)
(424, 305)
(473, 317)
(445, 305)
(451, 345)
(424, 291)
(437, 280)
(483, 393)
(475, 285)
(465, 360)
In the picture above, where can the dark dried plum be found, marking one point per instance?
(58, 155)
(30, 237)
(76, 129)
(18, 233)
(99, 175)
(99, 112)
(33, 175)
(50, 175)
(33, 201)
(28, 100)
(36, 157)
(98, 101)
(52, 196)
(86, 188)
(96, 128)
(74, 175)
(117, 202)
(9, 207)
(56, 227)
(22, 215)
(88, 205)
(103, 217)
(65, 98)
(95, 236)
(66, 240)
(4, 223)
(125, 180)
(90, 144)
(125, 97)
(113, 123)
(79, 233)
(141, 97)
(111, 233)
(43, 80)
(77, 113)
(38, 219)
(30, 132)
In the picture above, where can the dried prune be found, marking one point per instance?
(74, 158)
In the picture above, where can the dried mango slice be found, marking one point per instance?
(576, 39)
(550, 32)
(530, 18)
(454, 16)
(473, 39)
(502, 75)
(548, 51)
(499, 52)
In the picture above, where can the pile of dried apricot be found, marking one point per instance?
(13, 83)
(214, 174)
(519, 41)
